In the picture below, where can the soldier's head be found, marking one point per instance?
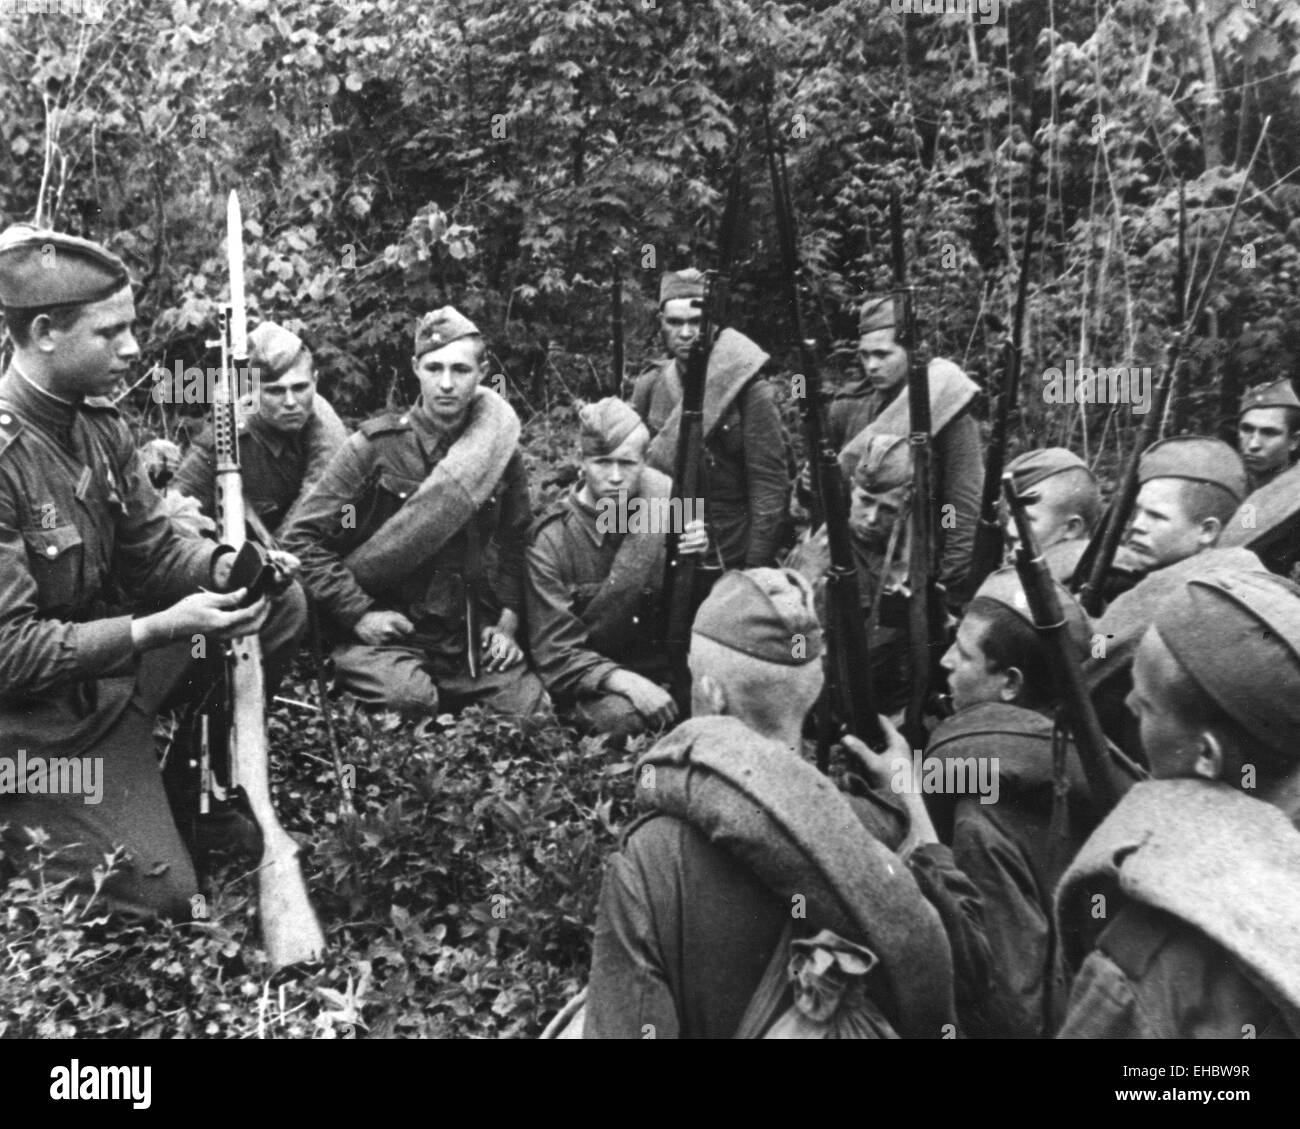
(883, 360)
(1190, 487)
(881, 486)
(680, 316)
(1213, 682)
(449, 362)
(1067, 501)
(756, 650)
(998, 655)
(286, 377)
(613, 443)
(1268, 431)
(68, 308)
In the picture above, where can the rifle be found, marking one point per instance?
(616, 312)
(1098, 558)
(987, 552)
(688, 483)
(1049, 619)
(921, 558)
(289, 926)
(848, 661)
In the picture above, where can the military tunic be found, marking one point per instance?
(277, 467)
(366, 483)
(746, 466)
(569, 563)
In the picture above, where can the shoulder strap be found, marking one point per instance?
(771, 997)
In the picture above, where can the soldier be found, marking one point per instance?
(1190, 486)
(1183, 908)
(412, 541)
(595, 568)
(1004, 694)
(1065, 511)
(286, 442)
(82, 541)
(1268, 431)
(747, 471)
(878, 404)
(880, 502)
(696, 904)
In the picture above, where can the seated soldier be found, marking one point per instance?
(102, 605)
(595, 568)
(1181, 912)
(285, 443)
(880, 502)
(412, 541)
(1190, 486)
(1004, 694)
(699, 906)
(1065, 511)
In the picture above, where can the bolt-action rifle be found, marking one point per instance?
(848, 691)
(289, 926)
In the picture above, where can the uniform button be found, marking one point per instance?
(402, 420)
(6, 420)
(51, 551)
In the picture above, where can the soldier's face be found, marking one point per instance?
(884, 363)
(971, 678)
(872, 516)
(1162, 532)
(1265, 440)
(448, 378)
(679, 324)
(618, 474)
(93, 354)
(1172, 745)
(1049, 517)
(286, 404)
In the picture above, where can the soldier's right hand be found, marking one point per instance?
(216, 615)
(376, 629)
(650, 700)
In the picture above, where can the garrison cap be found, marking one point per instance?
(606, 424)
(1033, 467)
(1276, 394)
(1237, 635)
(765, 613)
(885, 464)
(1197, 458)
(687, 283)
(273, 349)
(877, 313)
(1004, 587)
(41, 268)
(442, 327)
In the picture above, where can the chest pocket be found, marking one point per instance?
(383, 495)
(56, 560)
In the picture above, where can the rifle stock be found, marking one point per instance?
(290, 929)
(848, 665)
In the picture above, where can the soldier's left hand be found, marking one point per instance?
(500, 651)
(694, 538)
(286, 565)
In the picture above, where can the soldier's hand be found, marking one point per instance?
(694, 538)
(216, 615)
(499, 649)
(286, 565)
(651, 701)
(378, 629)
(887, 768)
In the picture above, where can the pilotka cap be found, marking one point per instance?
(442, 327)
(41, 268)
(687, 283)
(1196, 458)
(606, 424)
(1276, 394)
(885, 464)
(741, 613)
(274, 349)
(877, 313)
(1005, 588)
(1237, 635)
(1033, 467)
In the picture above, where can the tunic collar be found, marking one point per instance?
(51, 414)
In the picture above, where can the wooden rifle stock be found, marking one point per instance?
(290, 930)
(1049, 618)
(688, 485)
(848, 661)
(1090, 575)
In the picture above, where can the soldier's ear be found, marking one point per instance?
(1211, 528)
(1013, 684)
(40, 333)
(1210, 756)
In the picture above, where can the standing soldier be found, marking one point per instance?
(82, 542)
(412, 541)
(878, 404)
(595, 570)
(1183, 908)
(286, 442)
(1268, 431)
(1065, 509)
(746, 450)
